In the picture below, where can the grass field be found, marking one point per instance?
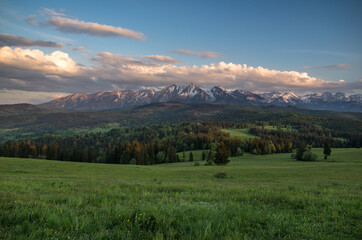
(262, 197)
(241, 133)
(244, 132)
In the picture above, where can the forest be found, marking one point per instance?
(159, 143)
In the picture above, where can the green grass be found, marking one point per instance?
(244, 132)
(262, 197)
(241, 133)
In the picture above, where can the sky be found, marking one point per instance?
(50, 49)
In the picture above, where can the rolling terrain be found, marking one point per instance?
(24, 120)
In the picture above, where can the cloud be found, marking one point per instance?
(331, 67)
(34, 97)
(200, 54)
(226, 74)
(12, 40)
(115, 60)
(55, 63)
(68, 25)
(31, 20)
(81, 49)
(26, 69)
(47, 11)
(161, 59)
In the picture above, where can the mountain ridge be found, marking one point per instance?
(192, 93)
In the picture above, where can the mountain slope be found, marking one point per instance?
(125, 99)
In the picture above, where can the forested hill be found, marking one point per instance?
(23, 121)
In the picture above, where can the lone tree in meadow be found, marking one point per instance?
(221, 157)
(327, 149)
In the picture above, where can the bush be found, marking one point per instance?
(197, 164)
(309, 156)
(133, 161)
(293, 155)
(209, 163)
(220, 175)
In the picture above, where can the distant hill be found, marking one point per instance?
(24, 108)
(126, 99)
(30, 120)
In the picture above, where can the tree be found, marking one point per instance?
(300, 150)
(211, 156)
(221, 157)
(240, 151)
(191, 158)
(327, 149)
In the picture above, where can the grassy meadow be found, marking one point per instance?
(240, 133)
(262, 197)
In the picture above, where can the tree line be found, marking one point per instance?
(147, 145)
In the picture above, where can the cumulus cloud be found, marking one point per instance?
(25, 69)
(55, 63)
(207, 54)
(161, 59)
(12, 40)
(115, 69)
(331, 67)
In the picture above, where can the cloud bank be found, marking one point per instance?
(16, 41)
(199, 54)
(33, 70)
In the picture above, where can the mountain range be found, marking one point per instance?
(125, 99)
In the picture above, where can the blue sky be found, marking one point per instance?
(285, 38)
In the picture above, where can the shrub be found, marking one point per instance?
(197, 164)
(220, 175)
(309, 156)
(293, 155)
(133, 161)
(209, 163)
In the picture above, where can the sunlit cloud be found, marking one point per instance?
(57, 71)
(68, 25)
(81, 49)
(207, 54)
(331, 67)
(16, 41)
(55, 63)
